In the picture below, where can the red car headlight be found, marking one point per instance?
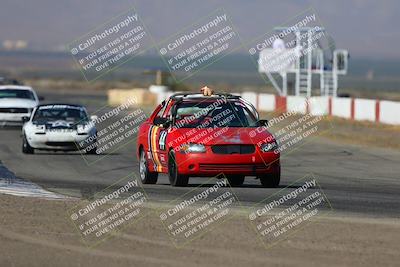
(193, 148)
(269, 147)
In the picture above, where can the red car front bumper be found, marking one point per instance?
(210, 164)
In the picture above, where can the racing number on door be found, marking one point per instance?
(157, 139)
(163, 138)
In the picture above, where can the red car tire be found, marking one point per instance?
(270, 180)
(146, 176)
(175, 178)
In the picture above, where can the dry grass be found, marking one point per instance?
(353, 132)
(364, 133)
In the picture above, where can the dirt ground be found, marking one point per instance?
(36, 232)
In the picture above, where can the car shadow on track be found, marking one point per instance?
(194, 185)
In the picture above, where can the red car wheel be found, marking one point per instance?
(270, 180)
(175, 178)
(146, 176)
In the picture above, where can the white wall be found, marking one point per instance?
(266, 102)
(296, 104)
(341, 107)
(319, 105)
(364, 109)
(390, 112)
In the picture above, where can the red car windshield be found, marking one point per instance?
(218, 113)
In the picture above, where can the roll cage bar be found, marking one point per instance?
(179, 97)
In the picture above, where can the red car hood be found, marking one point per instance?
(233, 135)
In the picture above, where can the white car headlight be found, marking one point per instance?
(193, 148)
(82, 128)
(40, 129)
(269, 147)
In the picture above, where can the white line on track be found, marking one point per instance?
(11, 185)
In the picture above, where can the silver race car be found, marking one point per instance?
(62, 127)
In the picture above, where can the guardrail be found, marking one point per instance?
(380, 111)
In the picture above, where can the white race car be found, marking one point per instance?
(59, 127)
(16, 102)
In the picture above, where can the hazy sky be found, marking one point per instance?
(367, 28)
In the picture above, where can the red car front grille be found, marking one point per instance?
(233, 167)
(233, 149)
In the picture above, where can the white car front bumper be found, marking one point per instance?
(52, 140)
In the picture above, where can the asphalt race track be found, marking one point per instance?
(357, 180)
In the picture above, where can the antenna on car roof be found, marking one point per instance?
(183, 95)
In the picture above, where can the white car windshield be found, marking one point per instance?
(17, 93)
(70, 114)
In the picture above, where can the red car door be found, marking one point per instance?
(157, 136)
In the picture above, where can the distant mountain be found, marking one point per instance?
(367, 28)
(233, 69)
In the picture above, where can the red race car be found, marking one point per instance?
(199, 135)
